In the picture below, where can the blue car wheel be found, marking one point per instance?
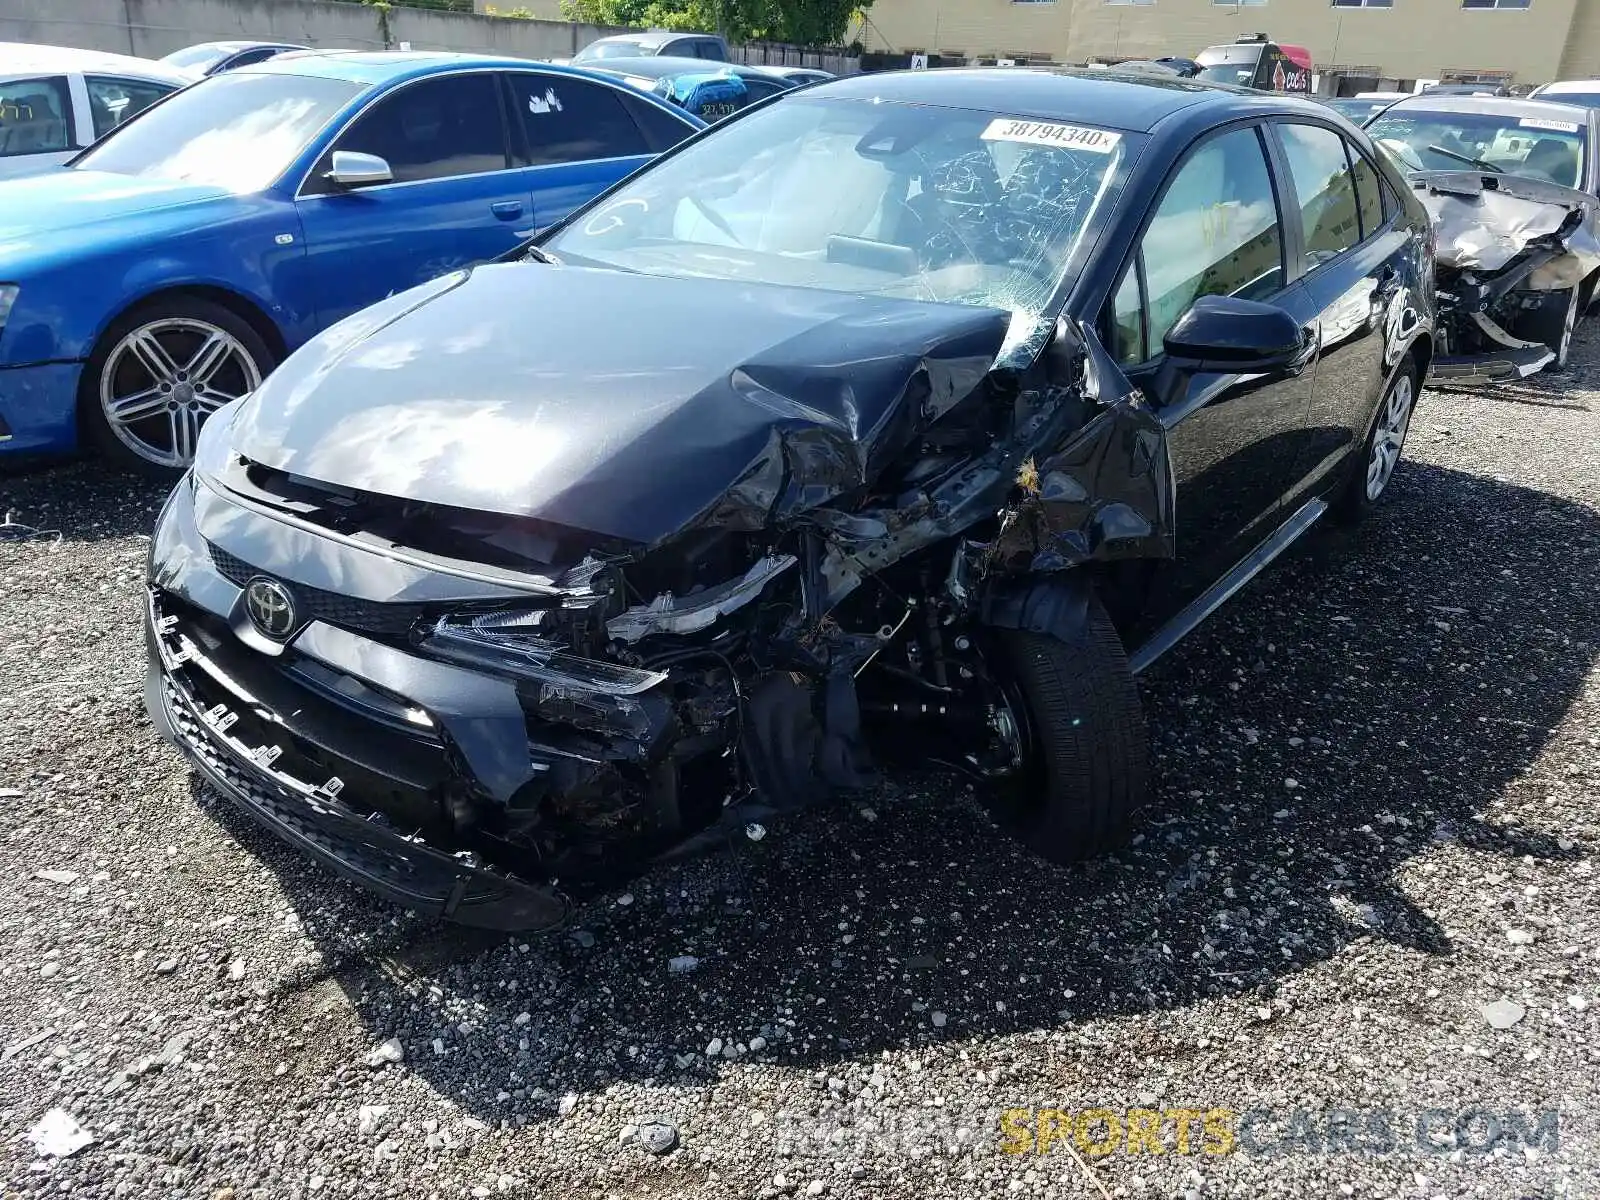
(158, 372)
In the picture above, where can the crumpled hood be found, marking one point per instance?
(1483, 221)
(630, 406)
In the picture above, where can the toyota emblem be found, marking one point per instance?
(270, 606)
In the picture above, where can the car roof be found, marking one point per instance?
(649, 37)
(25, 57)
(1585, 86)
(387, 66)
(660, 66)
(234, 47)
(1136, 103)
(1502, 106)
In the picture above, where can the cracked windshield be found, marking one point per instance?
(940, 204)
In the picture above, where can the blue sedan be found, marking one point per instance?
(171, 266)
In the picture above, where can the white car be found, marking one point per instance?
(1570, 91)
(54, 101)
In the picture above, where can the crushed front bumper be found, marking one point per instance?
(284, 751)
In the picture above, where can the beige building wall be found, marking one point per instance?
(1414, 39)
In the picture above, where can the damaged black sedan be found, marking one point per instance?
(918, 410)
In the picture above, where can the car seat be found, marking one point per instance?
(1553, 159)
(32, 122)
(953, 214)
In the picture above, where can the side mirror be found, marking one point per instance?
(352, 169)
(1242, 337)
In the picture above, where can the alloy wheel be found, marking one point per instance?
(1390, 435)
(164, 378)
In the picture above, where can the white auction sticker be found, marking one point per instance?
(1541, 123)
(1048, 133)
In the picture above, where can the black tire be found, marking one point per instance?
(255, 361)
(1552, 322)
(1353, 501)
(1086, 770)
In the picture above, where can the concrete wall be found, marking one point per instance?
(151, 28)
(1413, 39)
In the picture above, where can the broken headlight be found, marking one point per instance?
(697, 610)
(513, 644)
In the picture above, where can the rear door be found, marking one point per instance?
(456, 198)
(1234, 440)
(1352, 270)
(575, 137)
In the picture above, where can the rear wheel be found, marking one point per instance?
(1380, 454)
(1072, 715)
(158, 372)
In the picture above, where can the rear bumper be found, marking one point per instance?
(38, 408)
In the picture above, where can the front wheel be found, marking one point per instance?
(1553, 321)
(158, 372)
(1074, 718)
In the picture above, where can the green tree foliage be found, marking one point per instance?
(799, 22)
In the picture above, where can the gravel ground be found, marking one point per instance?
(1376, 820)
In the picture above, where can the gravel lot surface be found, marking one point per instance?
(1374, 843)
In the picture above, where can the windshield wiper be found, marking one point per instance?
(1468, 159)
(540, 255)
(717, 220)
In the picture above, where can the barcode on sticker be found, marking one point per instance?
(1542, 123)
(1048, 133)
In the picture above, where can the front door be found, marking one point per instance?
(455, 198)
(1234, 440)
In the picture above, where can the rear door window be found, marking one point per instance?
(113, 101)
(565, 119)
(661, 129)
(1369, 192)
(35, 116)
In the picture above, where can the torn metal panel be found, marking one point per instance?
(1483, 222)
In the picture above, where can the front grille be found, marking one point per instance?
(281, 807)
(347, 612)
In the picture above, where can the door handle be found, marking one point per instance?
(506, 210)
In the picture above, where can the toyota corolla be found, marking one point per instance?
(914, 410)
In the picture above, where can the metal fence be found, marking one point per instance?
(777, 54)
